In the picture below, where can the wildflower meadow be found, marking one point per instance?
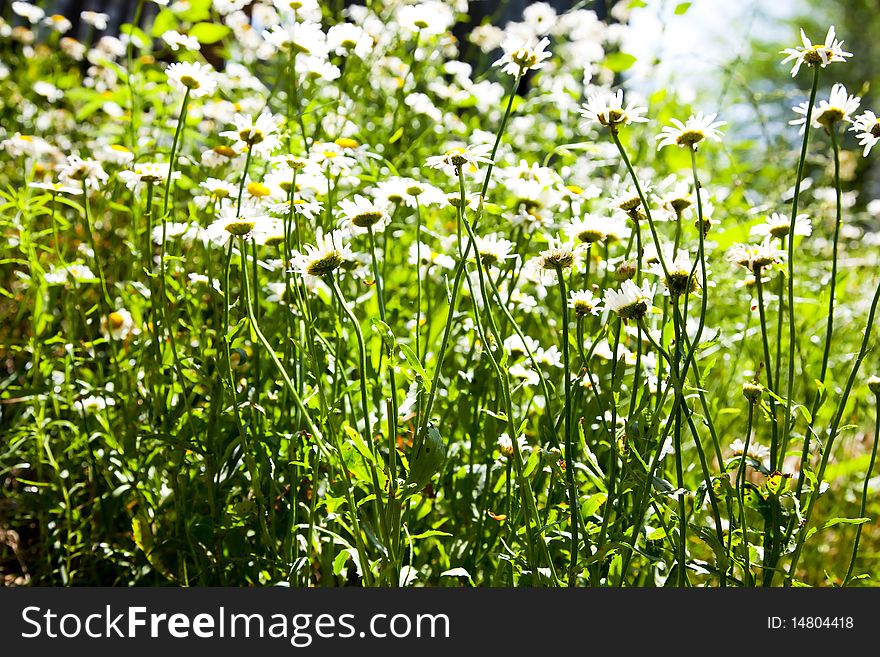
(322, 294)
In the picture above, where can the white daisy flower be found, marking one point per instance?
(79, 170)
(688, 134)
(493, 249)
(200, 79)
(779, 225)
(584, 303)
(505, 444)
(144, 173)
(257, 134)
(867, 127)
(755, 257)
(176, 41)
(306, 38)
(839, 107)
(608, 109)
(118, 325)
(818, 54)
(360, 214)
(324, 257)
(521, 56)
(346, 38)
(460, 157)
(757, 452)
(631, 301)
(96, 19)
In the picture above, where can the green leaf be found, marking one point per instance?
(619, 61)
(428, 534)
(165, 20)
(682, 8)
(208, 33)
(339, 562)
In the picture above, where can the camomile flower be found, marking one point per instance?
(409, 192)
(28, 11)
(77, 271)
(608, 109)
(96, 19)
(757, 452)
(83, 170)
(558, 255)
(839, 106)
(430, 18)
(688, 134)
(218, 190)
(258, 134)
(584, 303)
(199, 79)
(93, 404)
(175, 40)
(818, 54)
(631, 301)
(19, 144)
(306, 208)
(118, 325)
(680, 276)
(361, 214)
(230, 224)
(327, 255)
(755, 257)
(116, 154)
(679, 199)
(306, 38)
(59, 23)
(517, 347)
(147, 173)
(346, 38)
(867, 127)
(521, 56)
(493, 249)
(778, 225)
(505, 444)
(589, 229)
(56, 188)
(460, 157)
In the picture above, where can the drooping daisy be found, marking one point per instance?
(258, 134)
(778, 225)
(688, 134)
(521, 56)
(631, 301)
(755, 257)
(198, 78)
(469, 157)
(327, 255)
(584, 303)
(607, 109)
(361, 214)
(867, 127)
(816, 55)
